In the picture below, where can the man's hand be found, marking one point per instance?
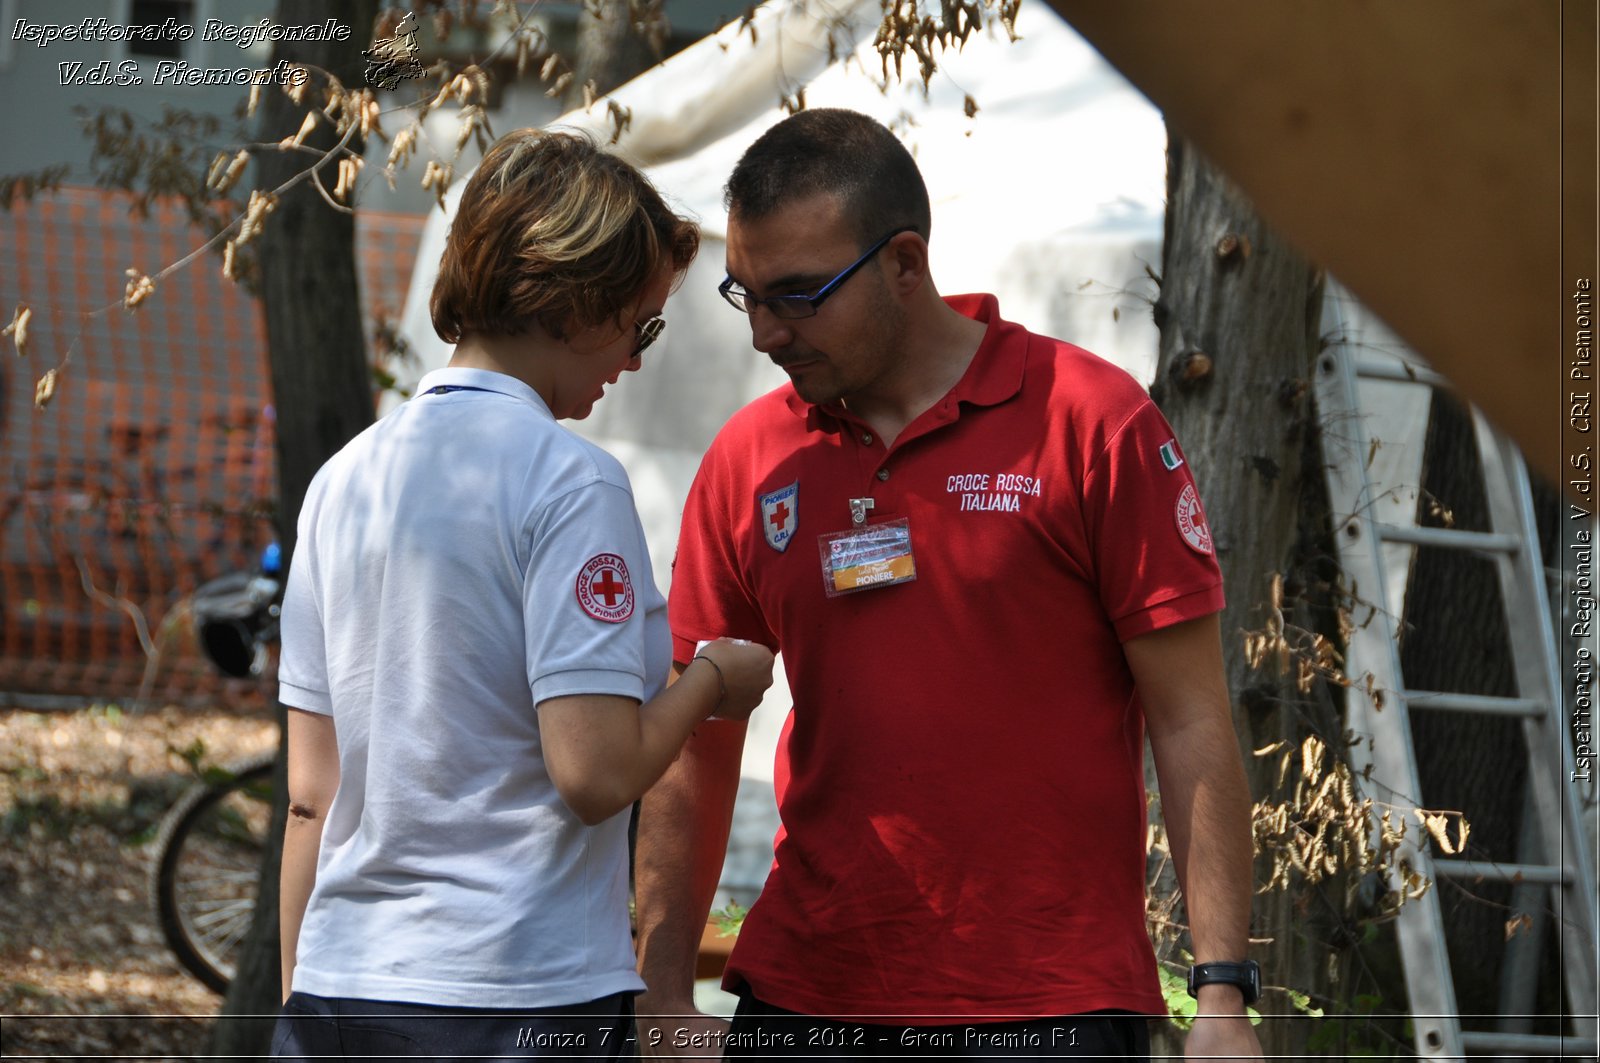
(673, 1031)
(1222, 1029)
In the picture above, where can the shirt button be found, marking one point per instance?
(866, 439)
(883, 474)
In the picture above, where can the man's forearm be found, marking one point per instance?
(1205, 800)
(1205, 803)
(683, 836)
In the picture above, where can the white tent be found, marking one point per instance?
(1050, 197)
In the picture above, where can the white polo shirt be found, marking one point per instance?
(458, 562)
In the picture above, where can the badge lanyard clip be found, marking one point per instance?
(858, 509)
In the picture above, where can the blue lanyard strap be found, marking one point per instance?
(445, 389)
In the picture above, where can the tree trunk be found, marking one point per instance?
(610, 49)
(322, 396)
(1239, 313)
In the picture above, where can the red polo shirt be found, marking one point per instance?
(961, 781)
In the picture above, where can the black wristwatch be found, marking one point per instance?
(1246, 975)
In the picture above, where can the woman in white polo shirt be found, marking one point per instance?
(475, 652)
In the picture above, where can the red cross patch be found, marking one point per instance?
(780, 515)
(1192, 521)
(604, 589)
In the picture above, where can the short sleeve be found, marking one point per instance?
(710, 597)
(303, 657)
(1153, 551)
(587, 592)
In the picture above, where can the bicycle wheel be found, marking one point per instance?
(208, 868)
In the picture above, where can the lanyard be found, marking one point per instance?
(445, 389)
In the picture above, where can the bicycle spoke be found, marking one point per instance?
(221, 945)
(221, 914)
(207, 871)
(199, 884)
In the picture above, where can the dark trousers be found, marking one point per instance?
(312, 1027)
(762, 1031)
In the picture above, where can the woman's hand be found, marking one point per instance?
(746, 673)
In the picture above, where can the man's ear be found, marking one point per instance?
(908, 255)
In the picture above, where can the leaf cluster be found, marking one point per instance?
(906, 29)
(24, 186)
(1319, 825)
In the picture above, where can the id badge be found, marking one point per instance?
(878, 555)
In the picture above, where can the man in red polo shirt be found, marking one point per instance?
(985, 562)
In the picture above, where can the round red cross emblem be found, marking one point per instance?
(1192, 521)
(604, 589)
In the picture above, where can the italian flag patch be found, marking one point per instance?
(1169, 455)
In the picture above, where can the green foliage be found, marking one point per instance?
(39, 818)
(191, 754)
(25, 773)
(728, 920)
(144, 836)
(194, 755)
(24, 186)
(1355, 1034)
(29, 816)
(155, 159)
(168, 159)
(1302, 1003)
(108, 711)
(1180, 1005)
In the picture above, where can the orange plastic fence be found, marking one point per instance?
(151, 469)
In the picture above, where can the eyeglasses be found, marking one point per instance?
(791, 307)
(646, 333)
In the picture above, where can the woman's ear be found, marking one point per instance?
(554, 326)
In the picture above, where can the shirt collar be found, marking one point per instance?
(994, 375)
(486, 380)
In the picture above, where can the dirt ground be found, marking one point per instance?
(83, 967)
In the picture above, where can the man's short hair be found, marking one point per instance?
(553, 230)
(835, 152)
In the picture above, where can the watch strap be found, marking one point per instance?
(1246, 975)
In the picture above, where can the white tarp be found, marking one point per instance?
(1051, 197)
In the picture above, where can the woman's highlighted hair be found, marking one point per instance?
(554, 231)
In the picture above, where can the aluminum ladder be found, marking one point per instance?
(1554, 859)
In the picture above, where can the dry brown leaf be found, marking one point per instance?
(218, 166)
(1311, 751)
(140, 287)
(44, 390)
(18, 329)
(306, 127)
(368, 113)
(349, 170)
(400, 151)
(226, 171)
(261, 204)
(1436, 825)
